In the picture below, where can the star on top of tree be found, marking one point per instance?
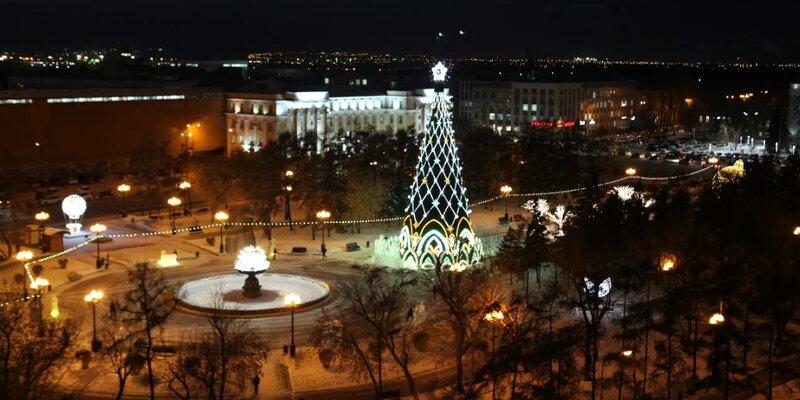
(439, 72)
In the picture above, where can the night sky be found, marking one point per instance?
(764, 31)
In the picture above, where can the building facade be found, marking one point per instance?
(513, 106)
(253, 120)
(793, 115)
(87, 125)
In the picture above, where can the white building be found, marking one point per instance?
(254, 120)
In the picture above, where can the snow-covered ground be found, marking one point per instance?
(225, 292)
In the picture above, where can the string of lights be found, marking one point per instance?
(195, 228)
(607, 183)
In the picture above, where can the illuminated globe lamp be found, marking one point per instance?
(251, 260)
(74, 207)
(630, 171)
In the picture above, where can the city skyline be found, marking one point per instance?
(557, 29)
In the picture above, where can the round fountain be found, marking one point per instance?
(260, 294)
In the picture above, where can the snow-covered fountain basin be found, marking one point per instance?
(225, 293)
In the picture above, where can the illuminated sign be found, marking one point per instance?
(552, 124)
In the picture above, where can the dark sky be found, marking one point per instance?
(653, 29)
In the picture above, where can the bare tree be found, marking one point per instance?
(145, 308)
(458, 302)
(337, 342)
(32, 352)
(228, 351)
(122, 351)
(381, 299)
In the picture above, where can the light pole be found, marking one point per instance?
(98, 230)
(288, 191)
(38, 285)
(185, 186)
(494, 317)
(630, 171)
(173, 202)
(292, 300)
(188, 135)
(124, 189)
(322, 215)
(41, 217)
(505, 190)
(24, 256)
(717, 320)
(93, 297)
(221, 217)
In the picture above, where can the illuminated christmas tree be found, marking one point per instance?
(437, 226)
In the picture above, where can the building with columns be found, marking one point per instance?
(254, 119)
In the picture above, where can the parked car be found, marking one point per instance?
(50, 200)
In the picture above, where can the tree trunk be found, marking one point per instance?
(769, 361)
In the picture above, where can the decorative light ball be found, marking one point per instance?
(630, 171)
(42, 216)
(73, 206)
(221, 216)
(292, 300)
(323, 214)
(251, 259)
(716, 319)
(505, 190)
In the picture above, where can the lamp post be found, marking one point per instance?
(630, 171)
(124, 189)
(292, 300)
(93, 297)
(24, 256)
(796, 231)
(185, 186)
(494, 317)
(41, 217)
(221, 217)
(98, 229)
(38, 285)
(188, 135)
(322, 215)
(173, 202)
(717, 320)
(505, 190)
(287, 192)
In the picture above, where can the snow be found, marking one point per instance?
(205, 293)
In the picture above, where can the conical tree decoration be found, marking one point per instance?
(437, 226)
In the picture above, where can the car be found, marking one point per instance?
(104, 194)
(50, 200)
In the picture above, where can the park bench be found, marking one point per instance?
(298, 250)
(353, 246)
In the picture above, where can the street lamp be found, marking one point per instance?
(668, 262)
(505, 190)
(287, 192)
(24, 256)
(292, 300)
(322, 215)
(713, 160)
(98, 229)
(38, 285)
(494, 317)
(93, 297)
(630, 171)
(796, 231)
(221, 217)
(185, 186)
(41, 217)
(124, 189)
(173, 202)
